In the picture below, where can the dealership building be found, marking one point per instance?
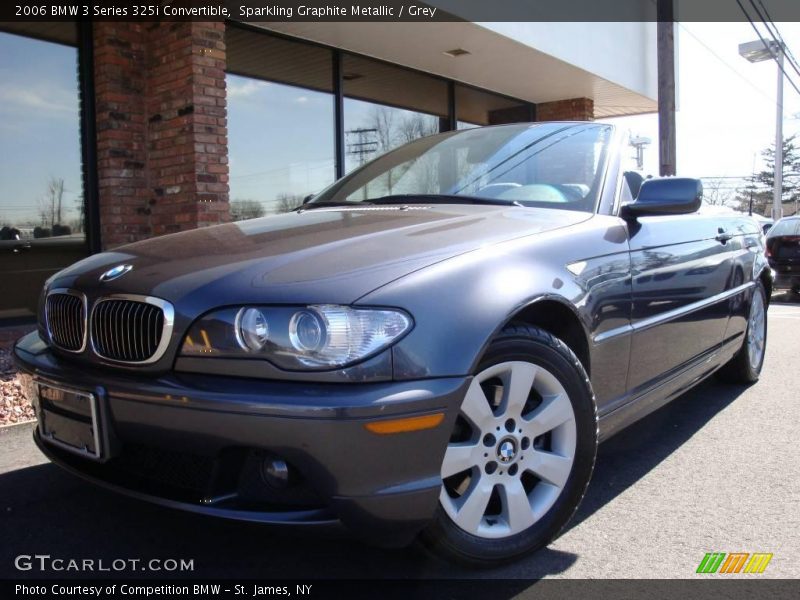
(112, 132)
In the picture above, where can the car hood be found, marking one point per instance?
(323, 255)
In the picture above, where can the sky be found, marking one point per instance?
(726, 105)
(726, 116)
(39, 127)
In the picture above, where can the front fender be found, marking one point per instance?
(460, 304)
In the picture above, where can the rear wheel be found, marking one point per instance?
(745, 366)
(521, 454)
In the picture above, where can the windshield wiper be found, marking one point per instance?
(440, 199)
(331, 204)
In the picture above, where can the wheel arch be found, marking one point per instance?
(558, 317)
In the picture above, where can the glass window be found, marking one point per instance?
(280, 137)
(42, 201)
(40, 140)
(549, 165)
(271, 58)
(476, 107)
(785, 227)
(387, 106)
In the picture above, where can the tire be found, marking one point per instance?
(745, 366)
(494, 506)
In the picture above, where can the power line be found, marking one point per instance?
(727, 64)
(776, 36)
(787, 51)
(768, 47)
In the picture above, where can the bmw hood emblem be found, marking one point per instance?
(116, 272)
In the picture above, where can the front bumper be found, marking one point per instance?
(197, 443)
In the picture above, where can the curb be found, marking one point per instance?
(11, 425)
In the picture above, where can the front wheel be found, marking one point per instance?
(521, 454)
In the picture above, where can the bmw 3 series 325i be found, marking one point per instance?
(430, 349)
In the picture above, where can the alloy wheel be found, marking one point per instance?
(511, 452)
(756, 331)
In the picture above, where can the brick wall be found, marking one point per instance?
(574, 109)
(161, 128)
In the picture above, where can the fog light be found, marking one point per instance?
(275, 472)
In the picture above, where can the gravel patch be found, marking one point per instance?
(14, 405)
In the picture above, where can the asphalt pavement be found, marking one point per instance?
(714, 471)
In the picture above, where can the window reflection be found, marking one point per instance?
(280, 145)
(280, 122)
(387, 106)
(372, 129)
(39, 141)
(42, 201)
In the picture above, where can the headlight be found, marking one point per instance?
(312, 337)
(251, 329)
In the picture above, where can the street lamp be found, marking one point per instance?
(756, 52)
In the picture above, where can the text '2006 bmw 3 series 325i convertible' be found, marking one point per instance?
(430, 349)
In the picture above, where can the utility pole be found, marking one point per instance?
(666, 87)
(365, 144)
(777, 192)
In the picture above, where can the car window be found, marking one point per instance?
(555, 165)
(785, 227)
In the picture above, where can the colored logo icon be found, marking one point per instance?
(734, 562)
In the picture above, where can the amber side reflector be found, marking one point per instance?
(405, 424)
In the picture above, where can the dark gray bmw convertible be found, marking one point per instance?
(430, 349)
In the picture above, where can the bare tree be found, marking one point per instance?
(287, 202)
(246, 209)
(50, 203)
(55, 195)
(415, 126)
(715, 194)
(382, 120)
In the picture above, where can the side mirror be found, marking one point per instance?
(665, 196)
(308, 198)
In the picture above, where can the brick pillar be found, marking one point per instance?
(119, 50)
(162, 130)
(574, 109)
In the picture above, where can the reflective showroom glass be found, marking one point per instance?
(386, 106)
(280, 122)
(41, 186)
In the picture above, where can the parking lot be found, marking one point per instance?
(714, 471)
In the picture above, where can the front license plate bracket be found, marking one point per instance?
(69, 419)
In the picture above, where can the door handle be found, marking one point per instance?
(20, 248)
(723, 236)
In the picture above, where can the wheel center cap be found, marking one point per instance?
(506, 450)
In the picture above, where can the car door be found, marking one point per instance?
(682, 267)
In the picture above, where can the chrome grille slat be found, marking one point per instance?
(130, 329)
(65, 319)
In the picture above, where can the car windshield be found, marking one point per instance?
(552, 165)
(785, 227)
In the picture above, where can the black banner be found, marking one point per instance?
(400, 11)
(407, 589)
